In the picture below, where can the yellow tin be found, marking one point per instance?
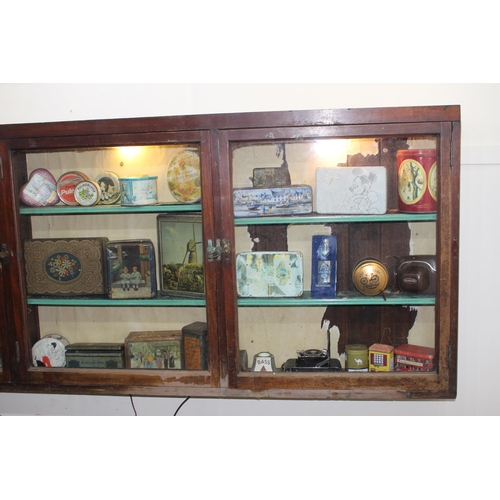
(370, 277)
(381, 358)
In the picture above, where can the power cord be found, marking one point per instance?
(180, 406)
(176, 411)
(133, 405)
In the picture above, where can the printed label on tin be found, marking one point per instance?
(412, 181)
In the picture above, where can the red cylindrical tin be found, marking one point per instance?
(417, 180)
(66, 185)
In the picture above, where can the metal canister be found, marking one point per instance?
(370, 277)
(417, 180)
(356, 358)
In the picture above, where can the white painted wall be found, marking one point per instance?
(479, 339)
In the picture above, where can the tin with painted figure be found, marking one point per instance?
(356, 358)
(370, 277)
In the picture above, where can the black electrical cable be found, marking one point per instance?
(133, 405)
(180, 406)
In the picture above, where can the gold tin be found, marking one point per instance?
(370, 277)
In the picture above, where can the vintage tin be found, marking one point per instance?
(66, 185)
(356, 358)
(324, 266)
(351, 190)
(65, 266)
(381, 358)
(160, 350)
(256, 202)
(263, 362)
(417, 180)
(270, 177)
(184, 176)
(139, 191)
(269, 274)
(87, 193)
(131, 269)
(40, 190)
(417, 273)
(49, 352)
(110, 188)
(194, 346)
(95, 355)
(180, 240)
(370, 277)
(414, 358)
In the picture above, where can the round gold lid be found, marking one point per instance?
(370, 277)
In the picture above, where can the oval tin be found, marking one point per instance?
(183, 176)
(109, 183)
(139, 191)
(66, 185)
(87, 193)
(370, 277)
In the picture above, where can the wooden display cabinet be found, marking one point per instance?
(230, 146)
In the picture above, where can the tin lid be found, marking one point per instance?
(415, 350)
(183, 176)
(87, 193)
(91, 347)
(196, 328)
(382, 348)
(370, 277)
(416, 152)
(110, 188)
(66, 185)
(352, 348)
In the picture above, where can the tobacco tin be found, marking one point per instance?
(370, 277)
(110, 188)
(87, 193)
(66, 185)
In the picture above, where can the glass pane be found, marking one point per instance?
(336, 244)
(136, 315)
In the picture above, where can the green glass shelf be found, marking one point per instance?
(327, 219)
(103, 300)
(343, 299)
(110, 209)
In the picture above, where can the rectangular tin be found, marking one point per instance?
(131, 269)
(414, 358)
(275, 201)
(269, 274)
(381, 358)
(324, 266)
(139, 191)
(270, 177)
(351, 190)
(194, 345)
(160, 350)
(95, 355)
(65, 266)
(180, 239)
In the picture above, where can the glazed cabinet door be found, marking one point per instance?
(113, 295)
(341, 280)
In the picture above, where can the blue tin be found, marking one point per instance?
(324, 266)
(138, 191)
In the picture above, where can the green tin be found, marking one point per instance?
(356, 358)
(95, 355)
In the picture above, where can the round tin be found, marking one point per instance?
(109, 183)
(49, 352)
(370, 277)
(87, 193)
(138, 191)
(183, 176)
(356, 358)
(66, 185)
(417, 180)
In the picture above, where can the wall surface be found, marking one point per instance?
(479, 342)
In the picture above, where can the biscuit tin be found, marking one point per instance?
(417, 180)
(413, 358)
(194, 346)
(139, 191)
(324, 266)
(66, 185)
(256, 202)
(184, 178)
(180, 239)
(269, 274)
(381, 358)
(159, 350)
(356, 358)
(131, 269)
(65, 266)
(40, 190)
(110, 188)
(95, 355)
(351, 190)
(87, 193)
(370, 277)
